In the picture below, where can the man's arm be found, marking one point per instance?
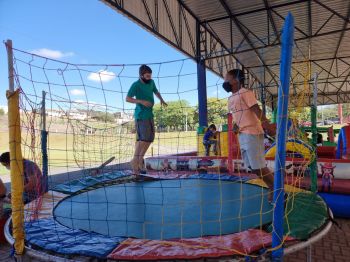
(270, 128)
(259, 113)
(2, 189)
(138, 101)
(30, 186)
(162, 102)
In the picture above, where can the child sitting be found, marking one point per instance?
(210, 139)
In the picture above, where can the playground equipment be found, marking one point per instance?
(187, 207)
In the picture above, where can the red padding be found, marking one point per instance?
(242, 243)
(326, 151)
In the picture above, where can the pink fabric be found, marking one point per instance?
(242, 243)
(239, 104)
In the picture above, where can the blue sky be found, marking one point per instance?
(83, 32)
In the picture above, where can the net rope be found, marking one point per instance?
(89, 122)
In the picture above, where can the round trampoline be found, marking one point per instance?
(167, 209)
(111, 216)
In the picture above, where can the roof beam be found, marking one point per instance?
(255, 11)
(149, 15)
(238, 25)
(295, 40)
(301, 62)
(272, 20)
(339, 41)
(297, 28)
(172, 23)
(346, 19)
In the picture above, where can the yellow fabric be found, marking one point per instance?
(222, 146)
(293, 147)
(17, 184)
(287, 188)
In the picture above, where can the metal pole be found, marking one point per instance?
(10, 65)
(230, 143)
(340, 113)
(263, 98)
(17, 183)
(282, 113)
(201, 82)
(309, 253)
(44, 144)
(313, 166)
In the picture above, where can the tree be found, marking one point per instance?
(301, 114)
(217, 111)
(174, 116)
(2, 112)
(102, 116)
(346, 110)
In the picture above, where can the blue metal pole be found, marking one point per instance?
(202, 94)
(282, 118)
(201, 81)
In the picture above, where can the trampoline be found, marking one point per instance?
(167, 209)
(113, 217)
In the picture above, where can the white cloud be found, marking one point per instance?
(101, 75)
(79, 101)
(54, 54)
(77, 92)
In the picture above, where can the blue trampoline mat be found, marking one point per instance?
(167, 209)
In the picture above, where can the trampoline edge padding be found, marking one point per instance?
(311, 240)
(209, 246)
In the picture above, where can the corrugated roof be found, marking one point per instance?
(249, 31)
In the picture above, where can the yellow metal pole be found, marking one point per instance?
(17, 184)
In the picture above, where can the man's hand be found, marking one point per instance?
(235, 128)
(146, 103)
(163, 103)
(269, 128)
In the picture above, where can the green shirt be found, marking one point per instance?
(143, 91)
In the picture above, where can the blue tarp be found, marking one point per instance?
(51, 235)
(82, 183)
(338, 203)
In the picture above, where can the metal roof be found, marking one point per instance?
(246, 34)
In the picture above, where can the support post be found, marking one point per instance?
(282, 113)
(313, 166)
(263, 99)
(44, 134)
(340, 113)
(230, 143)
(16, 164)
(201, 82)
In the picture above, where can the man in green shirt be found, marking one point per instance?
(141, 93)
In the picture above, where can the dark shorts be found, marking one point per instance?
(145, 130)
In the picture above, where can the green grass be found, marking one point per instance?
(67, 150)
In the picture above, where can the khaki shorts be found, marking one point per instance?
(145, 130)
(252, 150)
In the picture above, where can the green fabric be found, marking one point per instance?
(201, 130)
(143, 91)
(328, 143)
(306, 212)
